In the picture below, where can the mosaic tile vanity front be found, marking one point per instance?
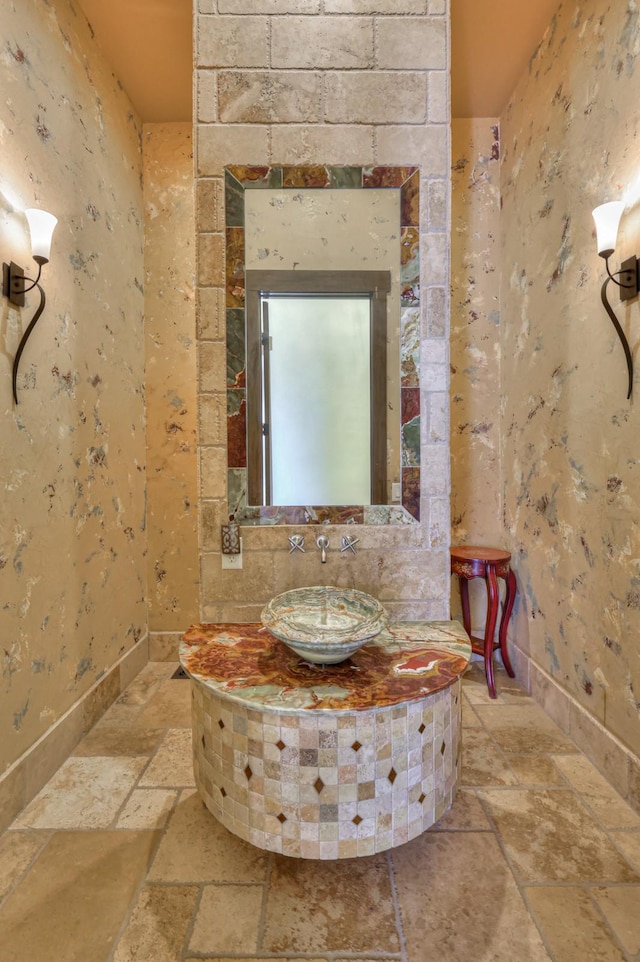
(326, 762)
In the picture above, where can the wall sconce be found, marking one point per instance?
(14, 283)
(607, 220)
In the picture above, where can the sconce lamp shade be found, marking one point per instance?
(41, 227)
(607, 220)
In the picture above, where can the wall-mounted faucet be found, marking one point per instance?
(349, 544)
(297, 543)
(323, 543)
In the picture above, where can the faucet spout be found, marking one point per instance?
(323, 543)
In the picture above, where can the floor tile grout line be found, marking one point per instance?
(519, 887)
(134, 900)
(47, 832)
(189, 929)
(396, 907)
(262, 921)
(581, 883)
(607, 829)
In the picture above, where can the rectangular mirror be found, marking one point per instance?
(323, 225)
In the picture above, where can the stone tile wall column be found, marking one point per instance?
(327, 82)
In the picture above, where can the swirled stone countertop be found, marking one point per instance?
(405, 662)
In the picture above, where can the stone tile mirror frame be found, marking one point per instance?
(238, 179)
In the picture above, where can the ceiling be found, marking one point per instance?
(148, 45)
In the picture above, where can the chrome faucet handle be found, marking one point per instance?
(323, 543)
(349, 544)
(297, 543)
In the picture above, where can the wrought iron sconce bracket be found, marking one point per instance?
(14, 286)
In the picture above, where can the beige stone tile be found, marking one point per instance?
(329, 893)
(196, 848)
(235, 42)
(105, 740)
(465, 814)
(535, 770)
(164, 645)
(48, 754)
(417, 43)
(610, 757)
(375, 97)
(620, 908)
(437, 878)
(134, 662)
(550, 696)
(228, 919)
(172, 765)
(550, 836)
(482, 761)
(99, 698)
(323, 42)
(469, 717)
(264, 97)
(84, 793)
(629, 845)
(572, 926)
(12, 794)
(596, 792)
(523, 728)
(333, 144)
(17, 851)
(119, 716)
(147, 808)
(145, 684)
(73, 902)
(170, 707)
(158, 925)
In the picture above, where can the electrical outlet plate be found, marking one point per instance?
(396, 492)
(232, 562)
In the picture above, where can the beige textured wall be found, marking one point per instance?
(170, 376)
(476, 484)
(569, 142)
(287, 84)
(73, 456)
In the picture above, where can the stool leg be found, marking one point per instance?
(504, 621)
(464, 600)
(493, 600)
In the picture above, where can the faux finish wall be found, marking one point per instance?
(301, 86)
(476, 484)
(73, 450)
(170, 378)
(569, 142)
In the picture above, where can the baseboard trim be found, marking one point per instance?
(29, 774)
(619, 765)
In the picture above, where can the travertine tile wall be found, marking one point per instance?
(324, 82)
(72, 536)
(572, 492)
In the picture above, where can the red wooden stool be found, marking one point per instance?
(489, 563)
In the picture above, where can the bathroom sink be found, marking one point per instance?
(323, 624)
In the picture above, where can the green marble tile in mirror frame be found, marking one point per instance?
(238, 179)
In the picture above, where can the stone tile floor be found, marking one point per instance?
(117, 860)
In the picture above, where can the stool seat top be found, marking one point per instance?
(477, 553)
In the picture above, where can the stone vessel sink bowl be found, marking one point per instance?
(322, 624)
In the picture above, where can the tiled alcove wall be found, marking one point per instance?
(306, 82)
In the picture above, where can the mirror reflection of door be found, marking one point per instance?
(317, 376)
